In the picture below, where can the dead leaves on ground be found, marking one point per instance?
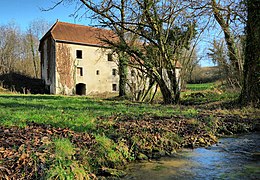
(24, 152)
(158, 134)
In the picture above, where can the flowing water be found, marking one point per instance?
(231, 158)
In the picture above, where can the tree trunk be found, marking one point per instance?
(229, 39)
(122, 74)
(174, 85)
(251, 87)
(168, 96)
(33, 56)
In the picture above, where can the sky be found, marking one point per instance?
(23, 12)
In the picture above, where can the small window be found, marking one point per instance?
(109, 57)
(79, 71)
(97, 72)
(132, 73)
(114, 88)
(79, 54)
(114, 72)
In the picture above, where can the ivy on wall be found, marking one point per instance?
(65, 66)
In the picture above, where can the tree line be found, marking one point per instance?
(19, 50)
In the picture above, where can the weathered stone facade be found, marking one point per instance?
(69, 66)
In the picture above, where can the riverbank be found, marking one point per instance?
(59, 137)
(234, 157)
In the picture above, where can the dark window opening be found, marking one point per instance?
(132, 73)
(109, 57)
(113, 72)
(79, 71)
(79, 54)
(97, 72)
(114, 87)
(81, 89)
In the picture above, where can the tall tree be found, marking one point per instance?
(123, 60)
(251, 88)
(10, 47)
(35, 31)
(228, 16)
(161, 28)
(223, 15)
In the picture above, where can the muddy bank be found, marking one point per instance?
(152, 137)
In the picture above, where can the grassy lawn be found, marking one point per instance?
(79, 113)
(200, 87)
(76, 113)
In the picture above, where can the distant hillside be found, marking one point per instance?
(206, 75)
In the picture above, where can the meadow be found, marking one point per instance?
(79, 137)
(75, 112)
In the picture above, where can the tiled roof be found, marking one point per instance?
(79, 34)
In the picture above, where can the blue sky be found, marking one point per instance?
(23, 12)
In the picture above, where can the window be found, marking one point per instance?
(97, 72)
(109, 57)
(132, 73)
(79, 71)
(79, 54)
(114, 88)
(113, 72)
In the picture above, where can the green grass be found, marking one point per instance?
(200, 87)
(64, 166)
(77, 113)
(206, 93)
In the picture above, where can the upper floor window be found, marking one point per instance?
(79, 71)
(113, 72)
(109, 57)
(79, 54)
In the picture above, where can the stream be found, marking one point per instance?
(232, 158)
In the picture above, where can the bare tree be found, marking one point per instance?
(10, 51)
(223, 15)
(19, 50)
(160, 30)
(229, 16)
(35, 31)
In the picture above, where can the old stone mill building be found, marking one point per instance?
(74, 60)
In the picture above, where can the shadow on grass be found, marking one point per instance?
(22, 83)
(32, 97)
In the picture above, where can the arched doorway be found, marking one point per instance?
(81, 89)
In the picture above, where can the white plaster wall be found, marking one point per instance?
(48, 58)
(93, 59)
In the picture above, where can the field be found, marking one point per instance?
(76, 137)
(77, 113)
(200, 87)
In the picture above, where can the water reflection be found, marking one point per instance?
(231, 158)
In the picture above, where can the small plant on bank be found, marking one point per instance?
(64, 165)
(107, 152)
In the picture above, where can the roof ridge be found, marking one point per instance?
(81, 25)
(77, 33)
